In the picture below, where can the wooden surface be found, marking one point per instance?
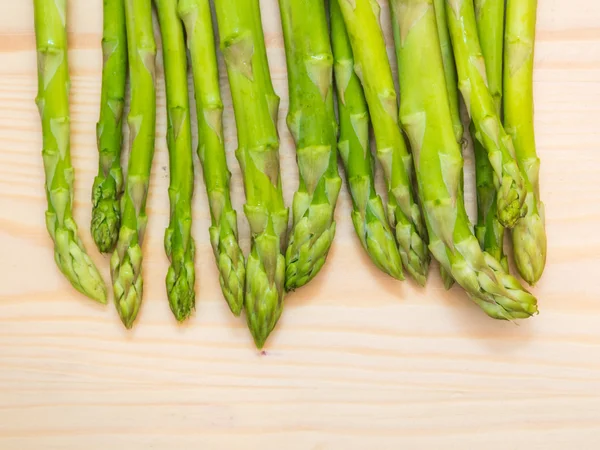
(358, 361)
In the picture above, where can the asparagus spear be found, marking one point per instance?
(361, 18)
(490, 26)
(529, 236)
(196, 17)
(449, 67)
(126, 261)
(311, 120)
(508, 180)
(255, 105)
(108, 184)
(179, 244)
(425, 115)
(53, 103)
(368, 214)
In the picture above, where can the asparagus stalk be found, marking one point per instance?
(490, 26)
(196, 17)
(489, 131)
(255, 105)
(368, 214)
(311, 120)
(53, 103)
(179, 244)
(108, 184)
(449, 68)
(126, 261)
(361, 18)
(425, 115)
(529, 236)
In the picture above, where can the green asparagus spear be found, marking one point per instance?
(368, 214)
(255, 105)
(425, 115)
(108, 184)
(311, 120)
(126, 261)
(490, 26)
(529, 236)
(196, 17)
(179, 244)
(508, 180)
(53, 103)
(372, 66)
(449, 68)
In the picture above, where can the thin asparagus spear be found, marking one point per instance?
(529, 236)
(368, 214)
(449, 68)
(108, 184)
(490, 26)
(425, 115)
(311, 120)
(472, 81)
(126, 261)
(196, 17)
(372, 66)
(255, 105)
(179, 244)
(53, 103)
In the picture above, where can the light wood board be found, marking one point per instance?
(358, 361)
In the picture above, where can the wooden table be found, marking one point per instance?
(359, 361)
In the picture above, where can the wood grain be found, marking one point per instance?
(359, 361)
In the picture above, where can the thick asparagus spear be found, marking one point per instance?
(196, 17)
(529, 236)
(490, 27)
(368, 214)
(126, 261)
(425, 115)
(255, 105)
(108, 184)
(361, 18)
(311, 120)
(449, 68)
(179, 244)
(53, 103)
(472, 83)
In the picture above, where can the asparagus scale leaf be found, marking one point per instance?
(425, 115)
(108, 184)
(368, 213)
(529, 236)
(255, 106)
(53, 103)
(311, 120)
(179, 244)
(126, 261)
(196, 17)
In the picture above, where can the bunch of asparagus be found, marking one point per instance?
(480, 48)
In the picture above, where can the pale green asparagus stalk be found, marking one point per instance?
(255, 105)
(472, 82)
(108, 184)
(372, 66)
(53, 103)
(368, 214)
(311, 120)
(449, 68)
(425, 115)
(126, 261)
(529, 236)
(197, 19)
(490, 26)
(179, 244)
